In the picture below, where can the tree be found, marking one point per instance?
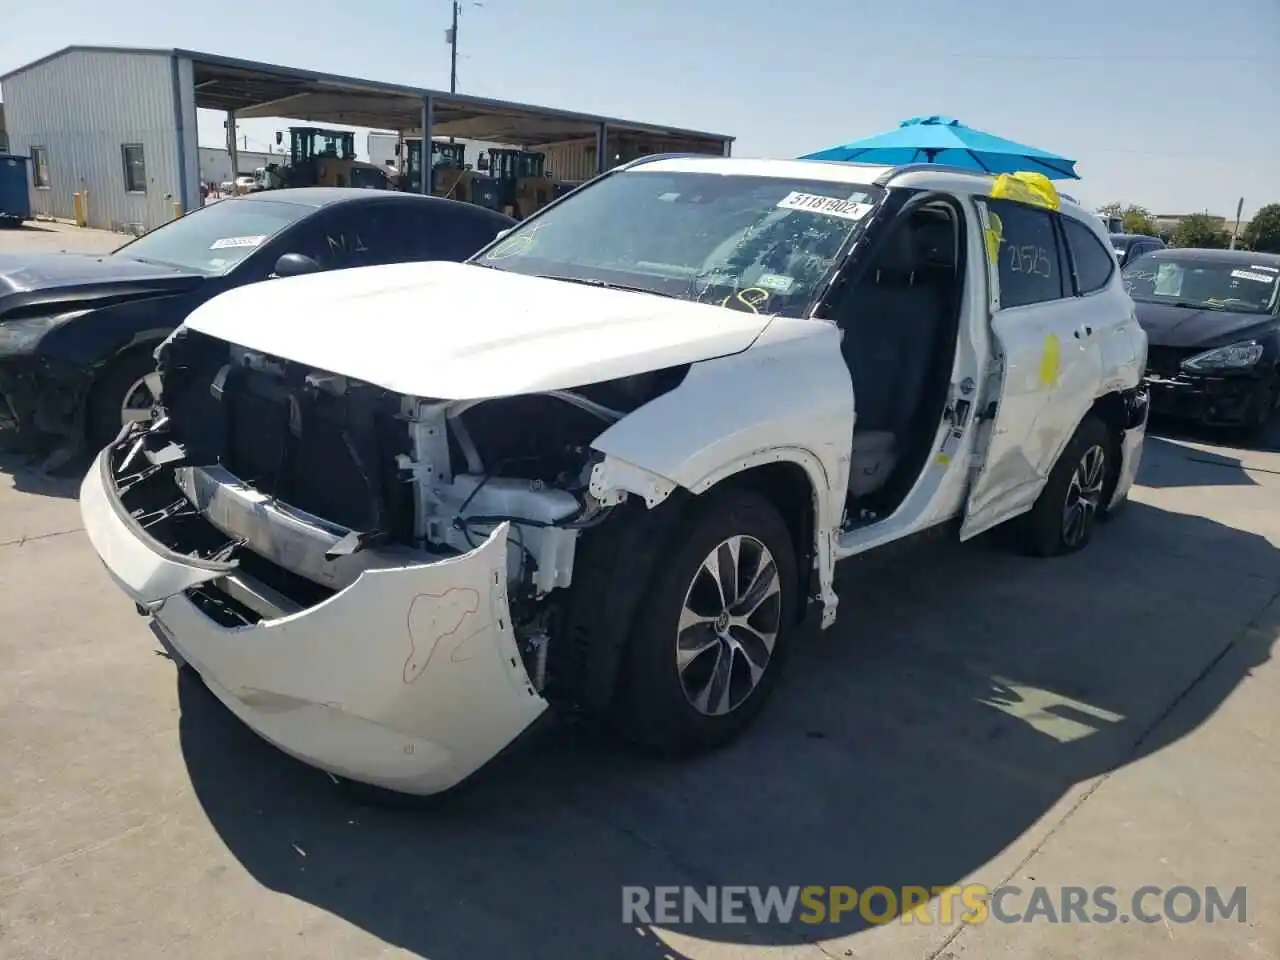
(1200, 230)
(1134, 219)
(1263, 232)
(1139, 220)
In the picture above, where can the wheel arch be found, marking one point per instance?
(142, 343)
(789, 486)
(616, 562)
(1117, 412)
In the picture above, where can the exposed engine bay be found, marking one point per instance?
(298, 480)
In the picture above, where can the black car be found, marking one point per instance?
(77, 332)
(1130, 246)
(1212, 319)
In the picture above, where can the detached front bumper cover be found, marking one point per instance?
(408, 679)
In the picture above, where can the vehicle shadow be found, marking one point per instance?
(1171, 429)
(1167, 463)
(29, 473)
(34, 226)
(964, 693)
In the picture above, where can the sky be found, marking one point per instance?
(1174, 105)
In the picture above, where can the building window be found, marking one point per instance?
(135, 168)
(40, 168)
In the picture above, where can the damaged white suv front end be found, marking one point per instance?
(360, 574)
(391, 514)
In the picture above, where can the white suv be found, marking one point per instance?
(390, 514)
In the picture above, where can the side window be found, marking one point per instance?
(437, 232)
(1031, 261)
(407, 232)
(1094, 265)
(332, 238)
(466, 234)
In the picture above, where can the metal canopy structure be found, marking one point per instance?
(258, 90)
(141, 87)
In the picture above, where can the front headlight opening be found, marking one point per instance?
(1235, 356)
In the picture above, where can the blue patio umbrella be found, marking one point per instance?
(943, 140)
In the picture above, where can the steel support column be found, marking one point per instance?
(233, 146)
(428, 121)
(602, 147)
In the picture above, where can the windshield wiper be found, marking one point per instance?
(592, 282)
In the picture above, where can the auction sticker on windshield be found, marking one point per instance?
(1249, 275)
(831, 206)
(226, 242)
(776, 282)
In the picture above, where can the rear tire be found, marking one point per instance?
(687, 691)
(1066, 513)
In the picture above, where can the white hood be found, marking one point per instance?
(453, 331)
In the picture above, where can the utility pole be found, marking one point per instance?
(1235, 231)
(453, 49)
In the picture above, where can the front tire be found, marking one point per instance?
(712, 636)
(128, 390)
(1064, 516)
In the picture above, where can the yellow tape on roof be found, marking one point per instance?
(1034, 189)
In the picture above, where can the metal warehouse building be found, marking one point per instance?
(118, 125)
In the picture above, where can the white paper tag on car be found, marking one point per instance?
(226, 242)
(1250, 275)
(776, 282)
(830, 206)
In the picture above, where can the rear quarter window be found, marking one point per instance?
(1031, 261)
(1094, 264)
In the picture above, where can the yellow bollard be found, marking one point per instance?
(80, 201)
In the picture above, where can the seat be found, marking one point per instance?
(889, 345)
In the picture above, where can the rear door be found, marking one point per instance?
(1045, 370)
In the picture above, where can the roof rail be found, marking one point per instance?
(884, 178)
(648, 158)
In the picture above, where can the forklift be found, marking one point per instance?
(523, 184)
(451, 177)
(326, 158)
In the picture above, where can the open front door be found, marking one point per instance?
(1044, 376)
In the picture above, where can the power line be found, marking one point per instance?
(1068, 58)
(1176, 154)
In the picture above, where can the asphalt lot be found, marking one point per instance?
(1107, 718)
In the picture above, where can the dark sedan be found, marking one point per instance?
(1130, 246)
(77, 332)
(1212, 319)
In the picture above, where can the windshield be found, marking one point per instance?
(1240, 287)
(762, 244)
(214, 238)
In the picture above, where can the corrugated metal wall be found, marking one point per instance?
(576, 161)
(82, 107)
(571, 162)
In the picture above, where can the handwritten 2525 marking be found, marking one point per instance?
(1029, 258)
